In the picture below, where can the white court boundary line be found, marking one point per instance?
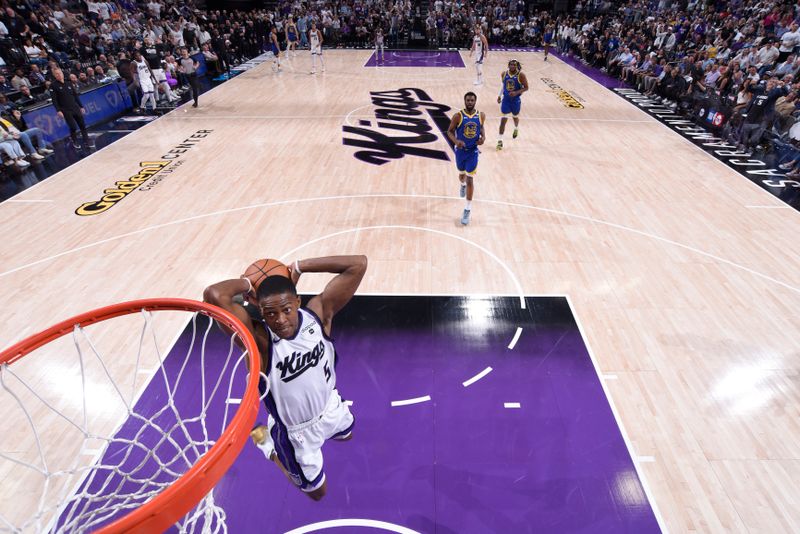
(477, 377)
(686, 140)
(415, 400)
(628, 445)
(350, 114)
(515, 339)
(394, 196)
(357, 229)
(142, 127)
(367, 523)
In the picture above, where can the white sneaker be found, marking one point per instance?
(23, 163)
(45, 151)
(36, 156)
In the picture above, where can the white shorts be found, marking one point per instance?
(299, 447)
(159, 75)
(317, 51)
(146, 85)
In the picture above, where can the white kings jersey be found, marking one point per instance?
(314, 38)
(144, 76)
(301, 371)
(478, 48)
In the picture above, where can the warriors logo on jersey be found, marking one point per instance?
(470, 130)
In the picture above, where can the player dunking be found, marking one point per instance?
(514, 84)
(480, 49)
(547, 38)
(315, 42)
(467, 133)
(379, 43)
(292, 36)
(275, 47)
(299, 359)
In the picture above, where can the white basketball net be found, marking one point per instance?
(87, 467)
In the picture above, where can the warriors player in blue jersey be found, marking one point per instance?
(547, 39)
(298, 359)
(514, 84)
(275, 48)
(292, 37)
(467, 133)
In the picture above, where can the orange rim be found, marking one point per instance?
(175, 502)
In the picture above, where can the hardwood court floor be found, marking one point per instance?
(687, 297)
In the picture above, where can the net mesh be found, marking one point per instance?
(90, 471)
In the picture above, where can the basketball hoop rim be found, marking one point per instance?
(169, 506)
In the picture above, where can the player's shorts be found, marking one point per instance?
(317, 50)
(299, 447)
(275, 50)
(511, 105)
(292, 38)
(146, 85)
(467, 160)
(479, 59)
(159, 75)
(548, 38)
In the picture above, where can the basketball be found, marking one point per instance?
(260, 269)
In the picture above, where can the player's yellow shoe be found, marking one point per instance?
(499, 145)
(516, 133)
(259, 435)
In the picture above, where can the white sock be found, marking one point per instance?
(469, 205)
(313, 62)
(500, 137)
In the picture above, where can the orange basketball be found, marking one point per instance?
(260, 269)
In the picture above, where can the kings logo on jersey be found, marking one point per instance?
(296, 363)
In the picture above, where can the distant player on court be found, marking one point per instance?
(514, 84)
(315, 42)
(467, 133)
(379, 43)
(299, 359)
(275, 47)
(292, 36)
(547, 38)
(480, 49)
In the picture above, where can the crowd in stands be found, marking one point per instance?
(738, 58)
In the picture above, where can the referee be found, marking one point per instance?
(189, 66)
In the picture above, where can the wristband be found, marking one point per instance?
(297, 267)
(249, 283)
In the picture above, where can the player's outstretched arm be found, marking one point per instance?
(349, 272)
(222, 293)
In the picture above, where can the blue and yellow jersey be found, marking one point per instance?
(511, 83)
(469, 128)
